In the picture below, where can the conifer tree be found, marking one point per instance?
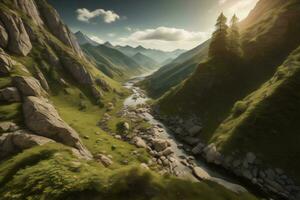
(234, 37)
(219, 43)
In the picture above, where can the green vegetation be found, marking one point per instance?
(52, 172)
(266, 122)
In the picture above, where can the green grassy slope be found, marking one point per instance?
(267, 121)
(113, 62)
(145, 61)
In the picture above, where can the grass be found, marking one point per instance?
(52, 172)
(269, 123)
(10, 112)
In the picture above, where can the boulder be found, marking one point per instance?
(96, 93)
(42, 118)
(10, 94)
(198, 149)
(191, 140)
(28, 86)
(19, 41)
(194, 130)
(139, 142)
(168, 151)
(8, 127)
(105, 160)
(211, 154)
(160, 144)
(3, 36)
(11, 143)
(5, 63)
(200, 173)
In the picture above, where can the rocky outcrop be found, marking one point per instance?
(19, 42)
(97, 94)
(42, 118)
(5, 63)
(28, 86)
(57, 27)
(43, 80)
(10, 94)
(76, 69)
(15, 142)
(200, 173)
(30, 9)
(3, 36)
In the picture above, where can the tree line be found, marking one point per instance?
(225, 41)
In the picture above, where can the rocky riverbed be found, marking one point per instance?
(174, 157)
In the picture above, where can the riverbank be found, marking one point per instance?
(165, 149)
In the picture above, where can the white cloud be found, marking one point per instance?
(128, 28)
(165, 38)
(86, 15)
(96, 39)
(167, 34)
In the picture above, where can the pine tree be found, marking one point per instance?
(234, 37)
(219, 44)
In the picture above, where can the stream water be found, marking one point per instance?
(139, 97)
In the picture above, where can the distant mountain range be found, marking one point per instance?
(84, 39)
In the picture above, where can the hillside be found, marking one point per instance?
(175, 72)
(248, 107)
(113, 62)
(266, 121)
(145, 61)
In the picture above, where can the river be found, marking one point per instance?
(139, 97)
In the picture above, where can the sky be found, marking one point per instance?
(157, 24)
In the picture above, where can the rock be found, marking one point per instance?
(28, 86)
(103, 84)
(270, 174)
(8, 127)
(42, 118)
(194, 130)
(211, 154)
(247, 174)
(126, 126)
(11, 143)
(105, 160)
(97, 94)
(139, 142)
(43, 81)
(52, 20)
(144, 166)
(118, 137)
(10, 94)
(29, 7)
(200, 173)
(3, 36)
(19, 41)
(5, 63)
(250, 157)
(198, 149)
(168, 151)
(76, 69)
(160, 145)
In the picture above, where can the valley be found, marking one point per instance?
(101, 101)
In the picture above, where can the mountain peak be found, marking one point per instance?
(108, 44)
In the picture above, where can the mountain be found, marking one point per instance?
(157, 55)
(108, 44)
(84, 39)
(248, 107)
(145, 61)
(175, 72)
(113, 63)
